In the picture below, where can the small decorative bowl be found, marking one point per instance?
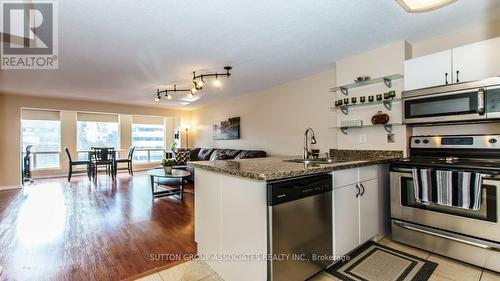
(361, 79)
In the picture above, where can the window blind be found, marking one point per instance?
(97, 117)
(40, 114)
(149, 120)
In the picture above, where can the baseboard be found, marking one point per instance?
(9, 187)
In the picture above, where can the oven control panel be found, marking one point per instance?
(472, 141)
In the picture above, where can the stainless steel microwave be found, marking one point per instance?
(469, 101)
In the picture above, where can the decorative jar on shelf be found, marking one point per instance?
(380, 118)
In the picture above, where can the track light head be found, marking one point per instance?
(200, 83)
(157, 98)
(169, 97)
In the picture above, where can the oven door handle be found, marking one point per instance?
(480, 101)
(401, 170)
(409, 170)
(446, 236)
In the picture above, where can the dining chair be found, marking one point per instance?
(27, 165)
(127, 160)
(76, 163)
(103, 156)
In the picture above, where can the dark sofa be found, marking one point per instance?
(205, 154)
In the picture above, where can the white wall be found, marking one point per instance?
(274, 119)
(386, 60)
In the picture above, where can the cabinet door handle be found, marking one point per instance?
(362, 186)
(457, 76)
(446, 78)
(359, 191)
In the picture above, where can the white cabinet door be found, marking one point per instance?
(346, 219)
(477, 61)
(368, 210)
(428, 71)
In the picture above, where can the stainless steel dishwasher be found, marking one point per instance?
(299, 227)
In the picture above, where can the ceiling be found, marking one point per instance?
(121, 51)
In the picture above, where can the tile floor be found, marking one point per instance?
(447, 270)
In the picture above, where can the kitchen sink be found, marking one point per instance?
(314, 161)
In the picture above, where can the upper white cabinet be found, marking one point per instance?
(428, 71)
(477, 61)
(467, 63)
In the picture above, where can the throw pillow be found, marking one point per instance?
(218, 155)
(182, 157)
(205, 154)
(243, 155)
(250, 154)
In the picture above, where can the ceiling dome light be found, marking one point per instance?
(420, 6)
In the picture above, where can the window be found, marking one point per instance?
(96, 130)
(148, 136)
(97, 134)
(42, 130)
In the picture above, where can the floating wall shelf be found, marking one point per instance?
(387, 127)
(387, 80)
(387, 104)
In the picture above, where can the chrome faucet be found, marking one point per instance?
(306, 142)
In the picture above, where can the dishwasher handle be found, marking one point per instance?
(283, 191)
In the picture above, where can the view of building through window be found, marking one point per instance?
(45, 137)
(149, 140)
(96, 134)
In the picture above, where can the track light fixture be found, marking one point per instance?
(198, 81)
(169, 96)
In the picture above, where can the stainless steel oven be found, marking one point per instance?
(482, 223)
(472, 236)
(451, 103)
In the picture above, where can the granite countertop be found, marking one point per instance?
(274, 168)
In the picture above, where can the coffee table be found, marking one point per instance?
(158, 177)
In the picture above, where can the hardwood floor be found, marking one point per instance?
(55, 230)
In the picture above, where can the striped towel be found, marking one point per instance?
(449, 188)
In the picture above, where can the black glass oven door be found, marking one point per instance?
(487, 212)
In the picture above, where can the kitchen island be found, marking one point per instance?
(231, 212)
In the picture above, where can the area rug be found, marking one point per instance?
(375, 262)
